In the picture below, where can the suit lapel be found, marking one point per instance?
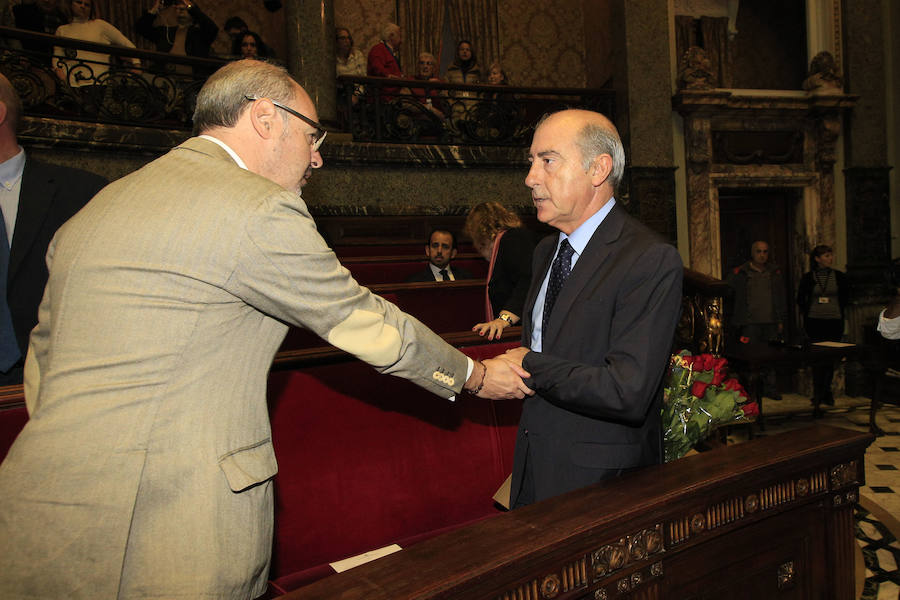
(595, 254)
(35, 198)
(537, 278)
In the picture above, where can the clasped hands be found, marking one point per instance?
(501, 377)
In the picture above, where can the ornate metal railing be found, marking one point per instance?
(375, 109)
(70, 79)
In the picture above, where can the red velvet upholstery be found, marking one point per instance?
(367, 460)
(368, 273)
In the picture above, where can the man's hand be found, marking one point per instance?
(515, 356)
(498, 379)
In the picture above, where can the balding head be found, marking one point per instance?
(224, 95)
(576, 162)
(595, 135)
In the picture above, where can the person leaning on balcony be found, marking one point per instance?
(348, 59)
(88, 67)
(193, 34)
(426, 70)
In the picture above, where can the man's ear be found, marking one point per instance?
(264, 118)
(3, 112)
(601, 168)
(452, 253)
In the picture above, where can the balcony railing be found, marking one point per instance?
(376, 109)
(61, 78)
(69, 79)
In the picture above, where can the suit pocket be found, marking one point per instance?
(605, 456)
(248, 466)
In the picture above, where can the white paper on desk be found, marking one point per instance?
(833, 344)
(354, 561)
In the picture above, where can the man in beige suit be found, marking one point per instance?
(146, 468)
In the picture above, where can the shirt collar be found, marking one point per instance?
(227, 149)
(11, 169)
(579, 238)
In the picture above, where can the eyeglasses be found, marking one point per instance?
(320, 131)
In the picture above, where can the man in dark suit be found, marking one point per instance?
(440, 250)
(598, 321)
(36, 199)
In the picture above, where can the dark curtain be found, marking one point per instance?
(422, 22)
(476, 21)
(714, 31)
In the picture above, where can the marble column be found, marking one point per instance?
(644, 113)
(867, 176)
(310, 37)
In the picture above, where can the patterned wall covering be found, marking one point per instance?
(543, 44)
(538, 44)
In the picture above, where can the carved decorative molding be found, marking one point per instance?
(704, 520)
(734, 140)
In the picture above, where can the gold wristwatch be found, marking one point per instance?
(507, 318)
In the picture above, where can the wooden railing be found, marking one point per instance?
(771, 518)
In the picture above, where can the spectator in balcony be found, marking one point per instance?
(234, 27)
(41, 16)
(349, 60)
(192, 35)
(426, 70)
(39, 199)
(496, 75)
(498, 235)
(822, 296)
(465, 67)
(87, 68)
(250, 45)
(384, 57)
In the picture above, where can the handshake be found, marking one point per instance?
(500, 377)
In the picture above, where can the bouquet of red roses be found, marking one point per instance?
(698, 397)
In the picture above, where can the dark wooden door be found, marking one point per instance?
(746, 216)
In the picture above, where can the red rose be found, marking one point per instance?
(751, 409)
(719, 364)
(732, 384)
(718, 377)
(744, 339)
(688, 359)
(698, 389)
(701, 362)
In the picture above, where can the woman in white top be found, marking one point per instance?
(85, 67)
(889, 319)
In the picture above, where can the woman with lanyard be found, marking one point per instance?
(822, 296)
(499, 237)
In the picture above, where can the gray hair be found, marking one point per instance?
(222, 99)
(593, 140)
(10, 98)
(388, 30)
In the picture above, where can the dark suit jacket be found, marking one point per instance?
(512, 272)
(50, 195)
(428, 275)
(596, 410)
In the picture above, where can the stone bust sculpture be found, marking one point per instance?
(696, 71)
(823, 75)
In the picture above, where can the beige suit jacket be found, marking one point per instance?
(145, 469)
